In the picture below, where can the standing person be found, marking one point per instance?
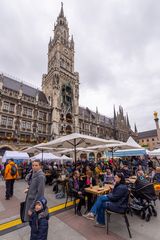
(35, 190)
(10, 174)
(39, 220)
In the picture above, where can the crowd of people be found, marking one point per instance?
(78, 176)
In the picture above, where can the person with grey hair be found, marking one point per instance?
(35, 189)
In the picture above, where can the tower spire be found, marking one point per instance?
(128, 124)
(135, 128)
(61, 12)
(114, 112)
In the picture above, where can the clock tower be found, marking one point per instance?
(61, 83)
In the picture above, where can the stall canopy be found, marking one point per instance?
(130, 148)
(45, 157)
(127, 153)
(133, 143)
(15, 155)
(155, 152)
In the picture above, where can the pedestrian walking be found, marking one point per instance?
(10, 174)
(35, 189)
(39, 220)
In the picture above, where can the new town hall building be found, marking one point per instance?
(29, 116)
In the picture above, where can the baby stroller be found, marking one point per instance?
(143, 199)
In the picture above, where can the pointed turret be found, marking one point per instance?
(128, 124)
(21, 90)
(1, 81)
(135, 128)
(72, 43)
(114, 110)
(61, 12)
(37, 95)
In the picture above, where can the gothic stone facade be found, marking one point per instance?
(29, 116)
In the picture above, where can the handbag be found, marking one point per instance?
(22, 211)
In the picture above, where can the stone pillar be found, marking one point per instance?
(156, 119)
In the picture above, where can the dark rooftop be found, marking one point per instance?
(15, 85)
(147, 134)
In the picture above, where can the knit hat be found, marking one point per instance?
(42, 201)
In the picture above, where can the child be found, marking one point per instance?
(39, 220)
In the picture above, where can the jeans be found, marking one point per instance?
(101, 212)
(9, 188)
(98, 204)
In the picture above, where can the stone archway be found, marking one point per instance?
(5, 148)
(99, 155)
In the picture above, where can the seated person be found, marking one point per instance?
(76, 189)
(98, 169)
(89, 181)
(156, 177)
(126, 172)
(151, 173)
(108, 177)
(116, 201)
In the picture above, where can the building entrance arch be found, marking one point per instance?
(5, 148)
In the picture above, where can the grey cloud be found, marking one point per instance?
(117, 49)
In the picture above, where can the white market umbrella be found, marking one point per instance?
(34, 149)
(75, 140)
(71, 150)
(129, 145)
(45, 157)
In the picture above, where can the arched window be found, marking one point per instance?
(68, 129)
(91, 156)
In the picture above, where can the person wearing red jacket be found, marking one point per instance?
(10, 174)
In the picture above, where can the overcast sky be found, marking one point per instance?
(117, 50)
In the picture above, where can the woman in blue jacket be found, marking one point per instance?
(116, 201)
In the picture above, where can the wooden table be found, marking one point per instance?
(96, 190)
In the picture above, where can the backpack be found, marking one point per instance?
(2, 172)
(13, 170)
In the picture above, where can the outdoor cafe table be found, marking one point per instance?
(96, 190)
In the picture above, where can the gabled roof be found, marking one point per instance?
(147, 134)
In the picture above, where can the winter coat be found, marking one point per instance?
(7, 172)
(72, 189)
(92, 180)
(118, 198)
(39, 225)
(36, 190)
